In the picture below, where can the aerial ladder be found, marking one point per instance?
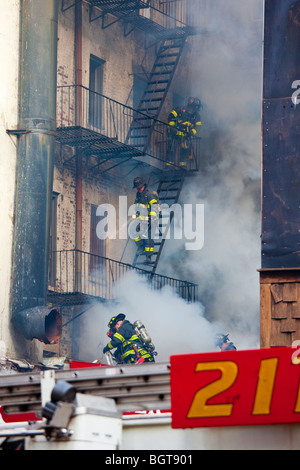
(80, 408)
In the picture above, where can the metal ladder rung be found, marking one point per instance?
(164, 64)
(160, 90)
(139, 128)
(158, 82)
(148, 109)
(150, 100)
(162, 73)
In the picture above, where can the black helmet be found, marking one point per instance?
(195, 103)
(114, 320)
(138, 182)
(220, 339)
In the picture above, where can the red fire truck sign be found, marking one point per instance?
(235, 388)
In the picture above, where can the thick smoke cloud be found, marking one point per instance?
(175, 326)
(227, 73)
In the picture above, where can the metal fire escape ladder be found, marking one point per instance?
(169, 190)
(156, 90)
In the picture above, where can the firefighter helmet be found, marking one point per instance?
(220, 339)
(114, 320)
(195, 103)
(138, 182)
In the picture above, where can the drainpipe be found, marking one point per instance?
(34, 177)
(79, 91)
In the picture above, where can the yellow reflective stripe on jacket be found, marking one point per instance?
(153, 201)
(174, 113)
(142, 351)
(130, 340)
(120, 337)
(127, 353)
(133, 338)
(110, 345)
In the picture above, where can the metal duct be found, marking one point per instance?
(35, 159)
(39, 323)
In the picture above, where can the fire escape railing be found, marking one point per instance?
(113, 122)
(169, 13)
(98, 276)
(150, 16)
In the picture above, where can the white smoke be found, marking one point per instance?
(227, 69)
(175, 326)
(226, 66)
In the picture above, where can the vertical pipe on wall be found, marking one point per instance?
(78, 81)
(36, 147)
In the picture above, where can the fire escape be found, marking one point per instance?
(109, 133)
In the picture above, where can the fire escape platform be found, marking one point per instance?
(70, 299)
(158, 22)
(121, 5)
(95, 143)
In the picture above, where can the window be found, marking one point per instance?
(96, 90)
(97, 246)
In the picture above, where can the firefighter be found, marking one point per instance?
(222, 341)
(129, 347)
(147, 213)
(184, 123)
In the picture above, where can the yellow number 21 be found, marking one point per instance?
(199, 407)
(229, 370)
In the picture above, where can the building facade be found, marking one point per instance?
(86, 95)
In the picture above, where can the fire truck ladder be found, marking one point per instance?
(156, 90)
(169, 190)
(133, 388)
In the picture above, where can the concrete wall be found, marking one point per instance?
(9, 52)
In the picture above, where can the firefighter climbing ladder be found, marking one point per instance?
(169, 189)
(170, 40)
(156, 89)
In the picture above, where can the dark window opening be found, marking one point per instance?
(97, 245)
(96, 90)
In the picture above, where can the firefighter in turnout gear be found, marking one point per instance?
(130, 348)
(184, 123)
(147, 214)
(222, 341)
